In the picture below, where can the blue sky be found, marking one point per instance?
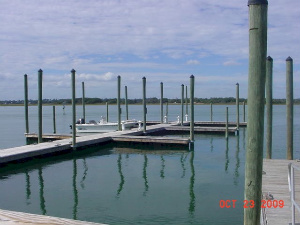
(165, 41)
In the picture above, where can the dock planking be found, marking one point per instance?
(275, 181)
(19, 218)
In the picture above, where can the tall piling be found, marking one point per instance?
(269, 106)
(106, 111)
(40, 105)
(237, 100)
(186, 101)
(144, 105)
(126, 102)
(211, 112)
(192, 84)
(289, 107)
(73, 109)
(256, 101)
(119, 103)
(161, 102)
(182, 104)
(244, 111)
(83, 101)
(54, 120)
(226, 125)
(26, 104)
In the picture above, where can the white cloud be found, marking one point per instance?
(193, 62)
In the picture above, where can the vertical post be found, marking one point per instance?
(26, 104)
(182, 105)
(192, 84)
(289, 107)
(73, 110)
(107, 111)
(226, 131)
(186, 101)
(54, 121)
(237, 107)
(256, 101)
(161, 102)
(144, 104)
(269, 106)
(244, 111)
(211, 112)
(40, 105)
(118, 103)
(126, 102)
(83, 101)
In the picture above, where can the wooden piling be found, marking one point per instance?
(83, 102)
(73, 109)
(186, 101)
(289, 107)
(40, 105)
(237, 100)
(119, 103)
(192, 84)
(226, 131)
(161, 102)
(144, 104)
(244, 111)
(256, 101)
(211, 112)
(26, 104)
(269, 106)
(107, 111)
(182, 104)
(54, 121)
(126, 102)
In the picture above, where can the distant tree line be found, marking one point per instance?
(226, 100)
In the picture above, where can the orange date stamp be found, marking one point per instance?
(251, 204)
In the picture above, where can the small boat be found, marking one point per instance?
(103, 126)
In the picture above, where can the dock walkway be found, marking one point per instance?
(275, 181)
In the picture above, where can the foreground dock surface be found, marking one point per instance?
(275, 181)
(20, 218)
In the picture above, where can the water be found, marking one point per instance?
(115, 185)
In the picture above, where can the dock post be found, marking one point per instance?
(186, 101)
(269, 106)
(83, 101)
(126, 102)
(237, 100)
(161, 102)
(118, 103)
(244, 111)
(26, 104)
(211, 112)
(73, 110)
(226, 131)
(54, 121)
(40, 105)
(106, 111)
(289, 107)
(256, 101)
(144, 104)
(182, 105)
(192, 84)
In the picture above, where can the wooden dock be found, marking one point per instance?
(20, 218)
(275, 181)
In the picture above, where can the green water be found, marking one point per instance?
(114, 185)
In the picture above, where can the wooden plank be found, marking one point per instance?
(201, 129)
(153, 140)
(20, 218)
(219, 123)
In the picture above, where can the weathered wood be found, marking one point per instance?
(83, 101)
(73, 108)
(256, 102)
(40, 105)
(126, 103)
(26, 104)
(182, 104)
(119, 103)
(219, 124)
(152, 140)
(144, 104)
(192, 84)
(237, 100)
(289, 107)
(161, 102)
(269, 106)
(20, 218)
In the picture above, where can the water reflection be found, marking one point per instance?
(192, 183)
(182, 161)
(145, 174)
(75, 191)
(42, 198)
(162, 171)
(237, 165)
(226, 156)
(211, 144)
(84, 173)
(122, 180)
(28, 191)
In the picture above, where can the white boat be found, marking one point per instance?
(103, 126)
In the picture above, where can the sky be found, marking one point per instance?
(162, 40)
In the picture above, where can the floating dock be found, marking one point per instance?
(275, 182)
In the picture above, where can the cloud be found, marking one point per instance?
(193, 62)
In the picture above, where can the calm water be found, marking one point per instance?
(117, 185)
